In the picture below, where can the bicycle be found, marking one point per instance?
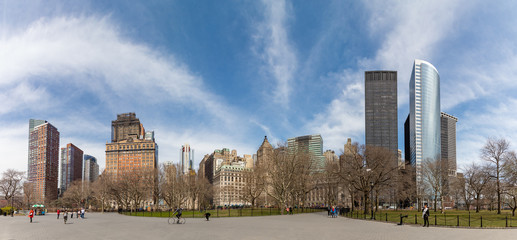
(175, 220)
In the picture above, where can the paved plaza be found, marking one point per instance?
(313, 226)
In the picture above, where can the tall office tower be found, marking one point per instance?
(264, 153)
(380, 105)
(312, 144)
(90, 169)
(129, 150)
(71, 165)
(187, 158)
(43, 166)
(407, 148)
(424, 116)
(448, 139)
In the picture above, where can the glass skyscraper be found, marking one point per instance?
(424, 116)
(312, 144)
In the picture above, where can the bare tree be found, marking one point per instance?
(73, 195)
(102, 188)
(366, 168)
(254, 184)
(28, 192)
(435, 177)
(282, 171)
(173, 186)
(10, 184)
(476, 178)
(457, 191)
(405, 186)
(495, 153)
(510, 176)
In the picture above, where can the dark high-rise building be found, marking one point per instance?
(71, 165)
(126, 126)
(380, 107)
(407, 146)
(43, 166)
(448, 141)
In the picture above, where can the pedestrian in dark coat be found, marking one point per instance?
(425, 215)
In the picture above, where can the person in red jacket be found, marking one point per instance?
(58, 212)
(31, 214)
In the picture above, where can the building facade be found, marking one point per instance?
(424, 120)
(43, 162)
(187, 158)
(90, 169)
(131, 148)
(311, 144)
(229, 181)
(71, 165)
(264, 152)
(380, 107)
(448, 141)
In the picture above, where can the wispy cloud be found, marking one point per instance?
(91, 54)
(58, 59)
(275, 50)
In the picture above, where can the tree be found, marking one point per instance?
(10, 184)
(495, 152)
(510, 176)
(102, 189)
(28, 192)
(173, 186)
(434, 177)
(365, 168)
(476, 178)
(284, 176)
(254, 185)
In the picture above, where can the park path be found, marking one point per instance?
(313, 226)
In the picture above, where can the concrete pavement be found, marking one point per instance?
(313, 226)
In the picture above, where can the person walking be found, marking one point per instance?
(78, 213)
(31, 214)
(72, 214)
(82, 213)
(425, 215)
(207, 216)
(65, 216)
(58, 212)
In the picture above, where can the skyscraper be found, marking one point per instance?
(71, 165)
(129, 149)
(312, 144)
(187, 158)
(43, 164)
(380, 105)
(448, 141)
(424, 115)
(90, 169)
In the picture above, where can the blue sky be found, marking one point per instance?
(220, 74)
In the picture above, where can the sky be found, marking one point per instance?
(224, 74)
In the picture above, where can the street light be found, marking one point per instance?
(371, 198)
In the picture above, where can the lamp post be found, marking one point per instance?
(371, 199)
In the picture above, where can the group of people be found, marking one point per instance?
(332, 211)
(80, 213)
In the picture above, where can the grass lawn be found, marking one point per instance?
(240, 212)
(449, 218)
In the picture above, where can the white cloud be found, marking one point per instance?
(344, 116)
(91, 54)
(54, 59)
(275, 50)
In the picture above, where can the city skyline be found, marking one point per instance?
(225, 74)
